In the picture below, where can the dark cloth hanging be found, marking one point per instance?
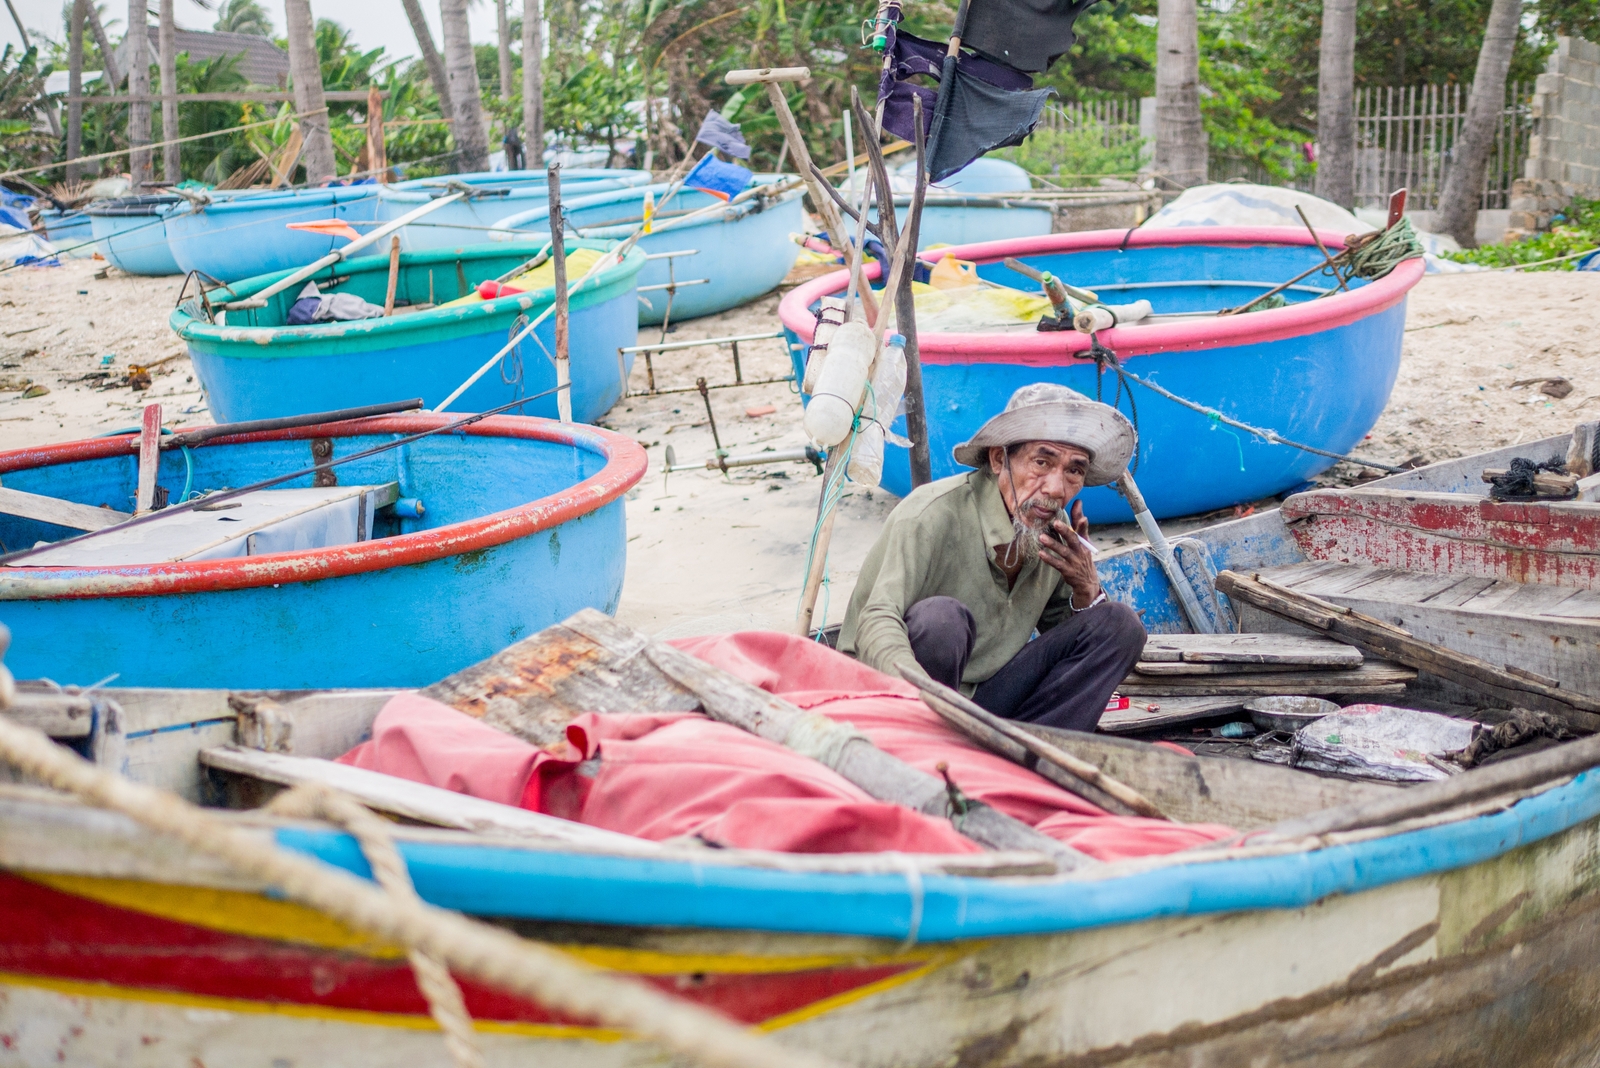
(991, 105)
(1026, 34)
(723, 135)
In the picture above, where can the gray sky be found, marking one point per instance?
(374, 22)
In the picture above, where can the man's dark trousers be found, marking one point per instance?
(1062, 678)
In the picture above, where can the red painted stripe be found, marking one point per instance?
(625, 466)
(1552, 543)
(1053, 349)
(51, 934)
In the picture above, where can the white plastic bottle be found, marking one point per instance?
(881, 406)
(830, 316)
(832, 410)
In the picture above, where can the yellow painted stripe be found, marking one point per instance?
(257, 916)
(406, 1021)
(827, 1005)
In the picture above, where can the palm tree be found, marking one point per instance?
(533, 81)
(1181, 148)
(1336, 88)
(306, 70)
(461, 68)
(1458, 203)
(430, 54)
(139, 86)
(243, 16)
(167, 36)
(503, 33)
(75, 89)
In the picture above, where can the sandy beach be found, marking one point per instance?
(708, 552)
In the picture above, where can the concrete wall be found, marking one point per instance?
(1564, 152)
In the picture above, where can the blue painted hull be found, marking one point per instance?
(405, 625)
(71, 232)
(470, 222)
(135, 244)
(275, 371)
(1324, 388)
(245, 235)
(951, 225)
(744, 253)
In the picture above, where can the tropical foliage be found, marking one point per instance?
(21, 82)
(243, 16)
(1576, 229)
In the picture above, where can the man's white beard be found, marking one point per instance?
(1027, 530)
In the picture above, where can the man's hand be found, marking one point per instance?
(1062, 550)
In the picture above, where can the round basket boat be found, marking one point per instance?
(522, 524)
(131, 233)
(1318, 371)
(255, 367)
(699, 264)
(245, 234)
(505, 193)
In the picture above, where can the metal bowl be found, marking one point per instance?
(1287, 713)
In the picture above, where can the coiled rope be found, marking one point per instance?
(1105, 358)
(492, 956)
(1375, 255)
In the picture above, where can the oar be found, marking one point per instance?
(1163, 553)
(337, 255)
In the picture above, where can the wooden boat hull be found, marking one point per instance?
(524, 524)
(1469, 943)
(263, 372)
(1318, 373)
(742, 253)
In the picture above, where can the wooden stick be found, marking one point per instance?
(149, 458)
(906, 314)
(394, 275)
(1032, 752)
(1579, 712)
(558, 253)
(1312, 230)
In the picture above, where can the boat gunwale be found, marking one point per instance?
(246, 342)
(1276, 324)
(625, 465)
(509, 225)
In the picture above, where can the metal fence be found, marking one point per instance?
(1404, 137)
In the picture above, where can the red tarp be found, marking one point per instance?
(660, 776)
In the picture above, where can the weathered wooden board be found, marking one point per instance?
(1163, 669)
(417, 801)
(1374, 678)
(57, 715)
(1168, 712)
(1248, 649)
(67, 514)
(1549, 543)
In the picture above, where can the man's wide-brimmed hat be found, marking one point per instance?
(1045, 411)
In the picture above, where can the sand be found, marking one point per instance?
(708, 552)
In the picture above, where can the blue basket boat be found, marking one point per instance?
(71, 232)
(255, 367)
(522, 524)
(972, 205)
(246, 234)
(504, 194)
(741, 252)
(1318, 371)
(131, 233)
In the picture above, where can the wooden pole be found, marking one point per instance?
(75, 89)
(139, 86)
(558, 254)
(167, 57)
(394, 275)
(377, 155)
(149, 458)
(906, 314)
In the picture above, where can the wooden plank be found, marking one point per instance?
(149, 458)
(327, 724)
(1373, 678)
(1138, 717)
(1547, 543)
(1167, 669)
(1248, 649)
(1044, 758)
(417, 801)
(59, 715)
(1244, 794)
(1460, 592)
(68, 514)
(1580, 712)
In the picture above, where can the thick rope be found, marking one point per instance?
(1381, 254)
(1105, 358)
(371, 832)
(469, 948)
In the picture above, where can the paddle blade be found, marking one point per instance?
(328, 227)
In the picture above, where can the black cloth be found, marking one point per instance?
(991, 105)
(1026, 34)
(1062, 678)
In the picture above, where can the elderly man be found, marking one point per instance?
(969, 567)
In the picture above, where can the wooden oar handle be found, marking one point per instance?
(768, 74)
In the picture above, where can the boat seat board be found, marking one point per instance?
(1554, 543)
(45, 509)
(1553, 631)
(267, 521)
(1249, 649)
(1374, 678)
